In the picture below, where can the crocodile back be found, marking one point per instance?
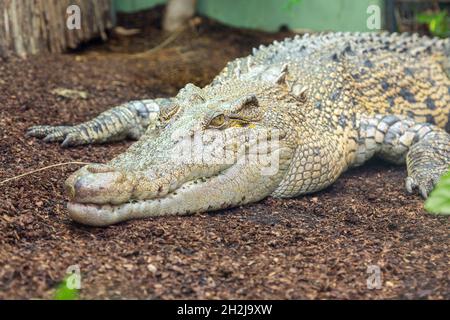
(385, 73)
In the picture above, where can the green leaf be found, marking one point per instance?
(439, 200)
(64, 293)
(438, 23)
(424, 18)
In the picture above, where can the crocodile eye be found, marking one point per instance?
(217, 121)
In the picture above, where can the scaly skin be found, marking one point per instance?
(284, 121)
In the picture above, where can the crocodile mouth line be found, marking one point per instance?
(104, 214)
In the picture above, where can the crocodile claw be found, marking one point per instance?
(73, 139)
(423, 183)
(49, 133)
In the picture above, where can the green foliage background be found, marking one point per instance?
(438, 23)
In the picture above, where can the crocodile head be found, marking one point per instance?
(222, 147)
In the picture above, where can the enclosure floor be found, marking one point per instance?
(316, 246)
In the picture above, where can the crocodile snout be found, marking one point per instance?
(98, 184)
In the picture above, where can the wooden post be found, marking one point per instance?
(33, 26)
(178, 13)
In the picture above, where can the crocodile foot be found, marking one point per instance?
(424, 181)
(69, 135)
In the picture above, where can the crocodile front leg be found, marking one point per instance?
(129, 120)
(424, 147)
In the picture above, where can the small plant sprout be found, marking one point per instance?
(63, 292)
(439, 200)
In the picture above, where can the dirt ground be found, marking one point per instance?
(316, 246)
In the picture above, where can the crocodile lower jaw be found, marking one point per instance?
(106, 214)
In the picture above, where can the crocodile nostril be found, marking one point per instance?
(70, 190)
(99, 168)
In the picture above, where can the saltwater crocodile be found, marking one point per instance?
(287, 120)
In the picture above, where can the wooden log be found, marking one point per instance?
(178, 13)
(33, 26)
